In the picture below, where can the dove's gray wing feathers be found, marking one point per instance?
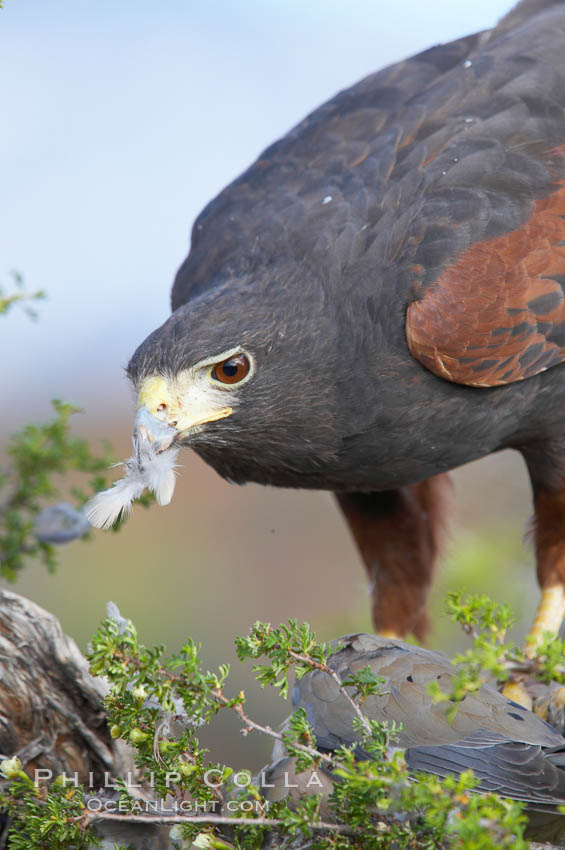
(508, 748)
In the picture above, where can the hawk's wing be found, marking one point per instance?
(345, 149)
(437, 187)
(493, 311)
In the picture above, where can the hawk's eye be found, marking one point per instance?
(232, 370)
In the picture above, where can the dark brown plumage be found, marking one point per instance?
(392, 271)
(497, 315)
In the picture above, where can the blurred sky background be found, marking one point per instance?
(120, 120)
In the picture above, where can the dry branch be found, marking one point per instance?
(52, 715)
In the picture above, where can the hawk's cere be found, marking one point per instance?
(380, 299)
(511, 751)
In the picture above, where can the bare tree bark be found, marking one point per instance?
(52, 714)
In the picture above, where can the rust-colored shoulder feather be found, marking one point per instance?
(497, 314)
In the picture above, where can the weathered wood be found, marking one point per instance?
(52, 714)
(51, 708)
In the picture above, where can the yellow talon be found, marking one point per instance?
(518, 693)
(551, 704)
(549, 617)
(558, 698)
(541, 709)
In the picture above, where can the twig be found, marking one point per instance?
(220, 820)
(266, 730)
(326, 669)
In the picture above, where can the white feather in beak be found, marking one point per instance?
(151, 467)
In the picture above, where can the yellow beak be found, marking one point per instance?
(182, 410)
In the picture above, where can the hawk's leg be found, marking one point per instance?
(399, 535)
(549, 537)
(549, 534)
